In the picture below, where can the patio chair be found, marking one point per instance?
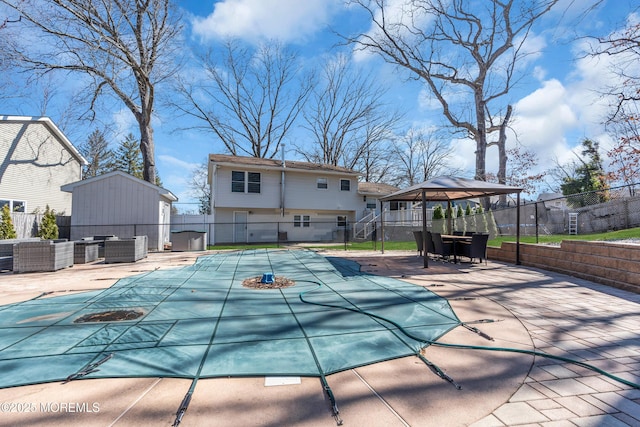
(419, 242)
(45, 255)
(430, 248)
(477, 248)
(444, 249)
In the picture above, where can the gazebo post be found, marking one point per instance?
(425, 260)
(518, 231)
(381, 226)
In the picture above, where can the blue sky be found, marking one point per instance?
(555, 103)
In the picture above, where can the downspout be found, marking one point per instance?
(282, 186)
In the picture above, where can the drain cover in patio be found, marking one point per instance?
(201, 322)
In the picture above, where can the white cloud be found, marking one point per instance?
(255, 20)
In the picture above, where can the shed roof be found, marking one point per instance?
(376, 189)
(445, 188)
(46, 121)
(162, 191)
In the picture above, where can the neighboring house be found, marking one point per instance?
(553, 200)
(36, 159)
(264, 200)
(120, 204)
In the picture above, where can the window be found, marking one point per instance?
(345, 185)
(253, 182)
(14, 205)
(397, 206)
(322, 184)
(301, 220)
(245, 182)
(237, 182)
(342, 221)
(371, 205)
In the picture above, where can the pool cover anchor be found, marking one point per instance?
(439, 372)
(90, 368)
(332, 399)
(183, 408)
(477, 331)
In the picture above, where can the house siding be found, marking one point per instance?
(34, 165)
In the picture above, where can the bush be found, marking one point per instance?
(48, 227)
(6, 225)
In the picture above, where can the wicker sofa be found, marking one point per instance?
(6, 251)
(45, 255)
(125, 250)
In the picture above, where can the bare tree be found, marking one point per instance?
(125, 47)
(249, 99)
(347, 117)
(624, 46)
(200, 189)
(466, 53)
(420, 156)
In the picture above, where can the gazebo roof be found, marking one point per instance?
(444, 188)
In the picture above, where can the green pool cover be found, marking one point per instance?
(201, 322)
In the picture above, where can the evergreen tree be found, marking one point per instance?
(438, 219)
(6, 225)
(587, 176)
(128, 158)
(48, 227)
(460, 224)
(96, 151)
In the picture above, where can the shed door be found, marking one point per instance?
(240, 227)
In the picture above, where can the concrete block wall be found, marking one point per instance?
(612, 264)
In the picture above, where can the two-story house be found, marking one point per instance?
(36, 159)
(264, 200)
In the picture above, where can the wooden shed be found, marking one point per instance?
(120, 204)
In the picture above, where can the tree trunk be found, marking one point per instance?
(147, 150)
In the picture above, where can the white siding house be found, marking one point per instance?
(36, 159)
(263, 200)
(117, 203)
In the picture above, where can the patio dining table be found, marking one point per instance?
(455, 239)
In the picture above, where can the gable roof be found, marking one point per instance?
(272, 164)
(46, 121)
(162, 191)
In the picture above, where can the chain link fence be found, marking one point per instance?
(592, 212)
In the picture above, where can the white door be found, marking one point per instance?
(240, 227)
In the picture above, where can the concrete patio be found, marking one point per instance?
(557, 314)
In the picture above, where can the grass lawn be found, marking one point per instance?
(631, 233)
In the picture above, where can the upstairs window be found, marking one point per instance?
(253, 182)
(322, 184)
(245, 182)
(345, 185)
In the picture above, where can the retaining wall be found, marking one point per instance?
(612, 264)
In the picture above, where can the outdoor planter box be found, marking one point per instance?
(125, 250)
(45, 255)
